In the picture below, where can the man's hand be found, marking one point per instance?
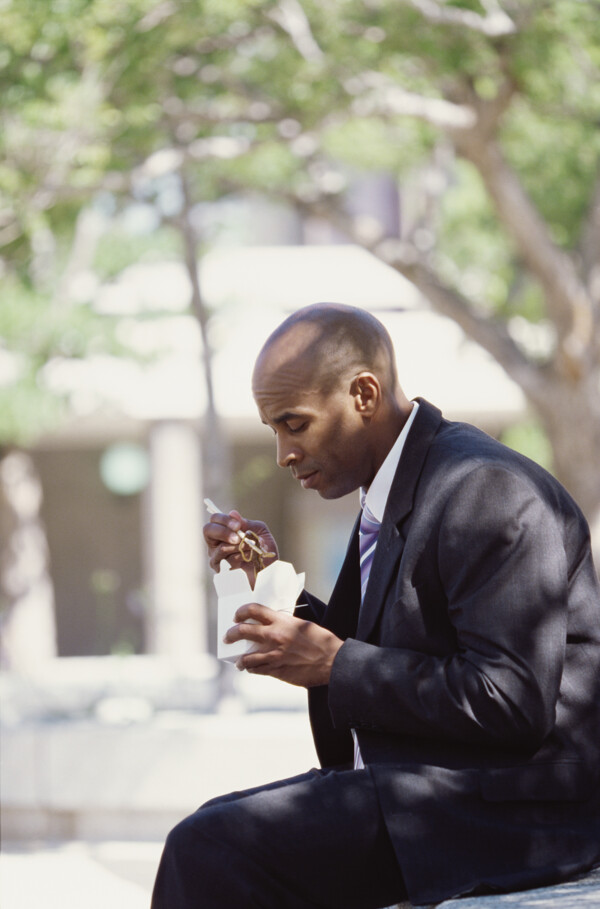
(290, 649)
(223, 542)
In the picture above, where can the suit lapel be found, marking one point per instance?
(390, 542)
(387, 555)
(341, 615)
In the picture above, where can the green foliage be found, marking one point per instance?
(27, 410)
(34, 333)
(373, 144)
(473, 245)
(41, 331)
(91, 89)
(476, 254)
(118, 248)
(558, 160)
(529, 439)
(269, 166)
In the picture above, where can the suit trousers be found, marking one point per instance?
(314, 840)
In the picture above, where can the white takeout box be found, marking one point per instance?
(277, 586)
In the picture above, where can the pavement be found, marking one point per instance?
(78, 875)
(86, 805)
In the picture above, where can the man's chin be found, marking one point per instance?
(334, 492)
(327, 489)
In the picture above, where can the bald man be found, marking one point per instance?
(453, 677)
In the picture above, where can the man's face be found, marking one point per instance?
(320, 436)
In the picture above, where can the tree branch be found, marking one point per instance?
(495, 24)
(471, 127)
(253, 111)
(190, 248)
(387, 98)
(569, 303)
(89, 228)
(290, 16)
(489, 333)
(590, 247)
(157, 16)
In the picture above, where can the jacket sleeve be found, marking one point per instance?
(501, 560)
(310, 608)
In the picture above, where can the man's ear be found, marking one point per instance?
(365, 388)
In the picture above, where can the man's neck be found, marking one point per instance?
(393, 426)
(378, 491)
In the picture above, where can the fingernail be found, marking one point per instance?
(233, 538)
(234, 525)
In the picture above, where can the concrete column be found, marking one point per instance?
(178, 624)
(29, 628)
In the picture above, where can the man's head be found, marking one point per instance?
(325, 382)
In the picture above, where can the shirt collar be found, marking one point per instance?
(377, 494)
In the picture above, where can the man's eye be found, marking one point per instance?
(297, 428)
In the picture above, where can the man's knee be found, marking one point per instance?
(202, 835)
(191, 867)
(180, 838)
(196, 866)
(217, 800)
(192, 853)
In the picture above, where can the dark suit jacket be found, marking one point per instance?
(472, 676)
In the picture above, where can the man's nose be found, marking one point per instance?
(287, 454)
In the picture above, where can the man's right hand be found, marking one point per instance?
(223, 542)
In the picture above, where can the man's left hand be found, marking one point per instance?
(290, 649)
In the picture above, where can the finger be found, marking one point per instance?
(258, 663)
(220, 552)
(247, 632)
(256, 611)
(221, 532)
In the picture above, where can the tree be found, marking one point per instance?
(511, 94)
(484, 111)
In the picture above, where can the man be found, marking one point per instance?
(453, 678)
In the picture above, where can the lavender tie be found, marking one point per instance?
(367, 540)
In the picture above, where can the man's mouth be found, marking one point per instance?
(307, 479)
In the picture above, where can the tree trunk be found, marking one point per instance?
(216, 453)
(570, 415)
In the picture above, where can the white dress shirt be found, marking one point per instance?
(375, 498)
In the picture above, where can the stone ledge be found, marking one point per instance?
(53, 779)
(109, 687)
(582, 892)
